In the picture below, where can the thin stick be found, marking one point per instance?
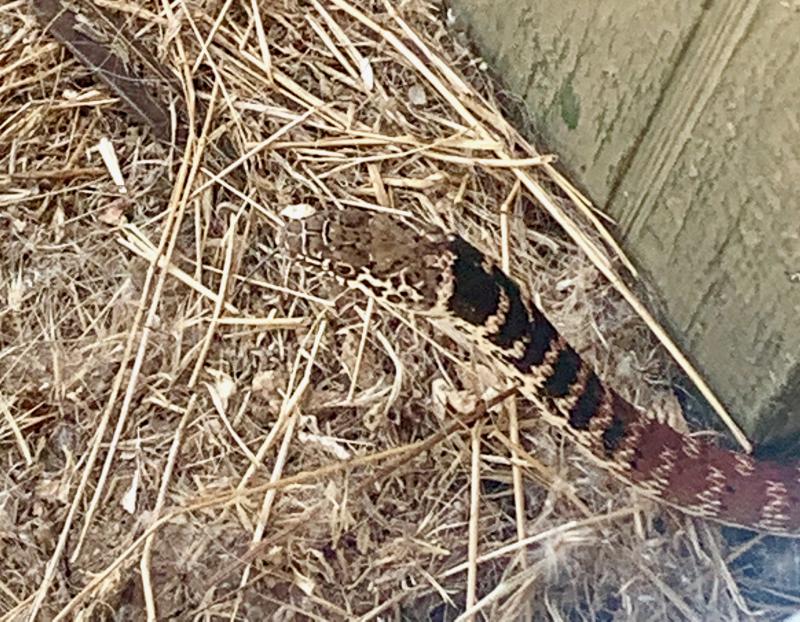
(474, 515)
(19, 437)
(263, 46)
(511, 407)
(361, 345)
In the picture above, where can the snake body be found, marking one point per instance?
(457, 287)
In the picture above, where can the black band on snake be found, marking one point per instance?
(441, 276)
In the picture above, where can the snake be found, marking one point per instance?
(437, 274)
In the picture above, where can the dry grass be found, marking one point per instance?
(216, 435)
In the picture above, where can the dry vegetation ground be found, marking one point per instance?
(217, 436)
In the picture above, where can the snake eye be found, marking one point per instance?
(343, 270)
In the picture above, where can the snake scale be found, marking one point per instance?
(442, 277)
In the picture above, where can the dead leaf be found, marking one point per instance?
(113, 215)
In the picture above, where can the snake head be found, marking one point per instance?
(381, 254)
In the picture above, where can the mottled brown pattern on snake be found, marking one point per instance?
(456, 286)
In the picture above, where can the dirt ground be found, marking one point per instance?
(193, 427)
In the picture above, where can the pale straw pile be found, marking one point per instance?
(194, 428)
